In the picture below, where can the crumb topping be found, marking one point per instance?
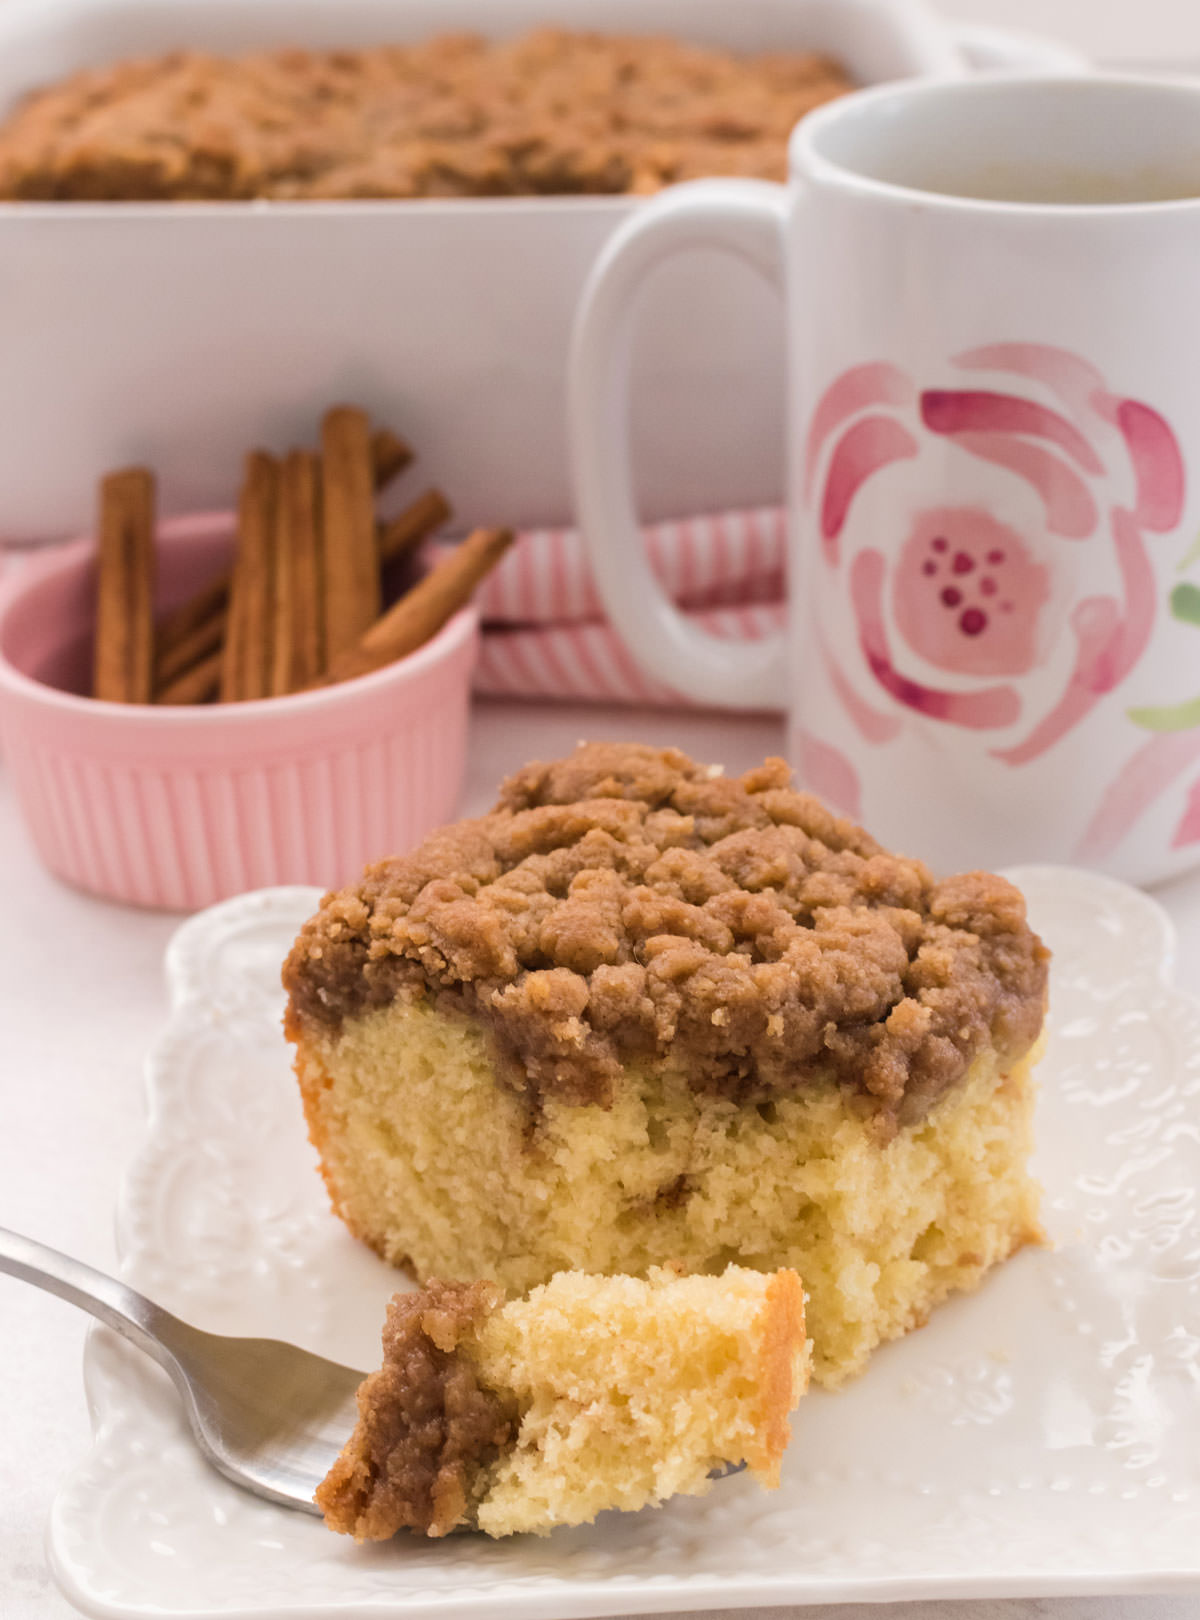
(550, 112)
(627, 904)
(426, 1427)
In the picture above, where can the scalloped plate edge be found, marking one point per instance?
(585, 1599)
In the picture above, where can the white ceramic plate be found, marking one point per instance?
(1041, 1436)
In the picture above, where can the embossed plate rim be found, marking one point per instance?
(138, 1432)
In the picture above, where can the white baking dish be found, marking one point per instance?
(180, 334)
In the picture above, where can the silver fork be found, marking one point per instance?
(269, 1416)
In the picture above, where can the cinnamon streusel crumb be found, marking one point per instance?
(426, 1425)
(550, 112)
(626, 904)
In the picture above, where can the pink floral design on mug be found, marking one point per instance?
(969, 591)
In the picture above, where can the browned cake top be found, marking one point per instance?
(550, 112)
(627, 904)
(426, 1426)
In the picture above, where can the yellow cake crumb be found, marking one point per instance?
(414, 1129)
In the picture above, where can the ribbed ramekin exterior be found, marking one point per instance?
(180, 809)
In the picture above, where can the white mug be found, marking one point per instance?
(992, 292)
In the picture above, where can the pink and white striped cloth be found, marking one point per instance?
(544, 630)
(545, 634)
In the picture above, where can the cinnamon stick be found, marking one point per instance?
(352, 590)
(123, 670)
(405, 532)
(420, 614)
(199, 684)
(299, 619)
(389, 457)
(177, 625)
(178, 654)
(246, 661)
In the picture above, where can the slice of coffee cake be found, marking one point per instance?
(644, 1014)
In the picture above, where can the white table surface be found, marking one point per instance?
(82, 1000)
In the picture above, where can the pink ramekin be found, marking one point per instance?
(180, 807)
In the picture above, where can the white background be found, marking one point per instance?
(82, 999)
(1126, 31)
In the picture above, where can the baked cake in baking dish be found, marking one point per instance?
(592, 1393)
(644, 1014)
(551, 112)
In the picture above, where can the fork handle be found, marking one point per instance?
(141, 1321)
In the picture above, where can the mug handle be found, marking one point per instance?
(744, 217)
